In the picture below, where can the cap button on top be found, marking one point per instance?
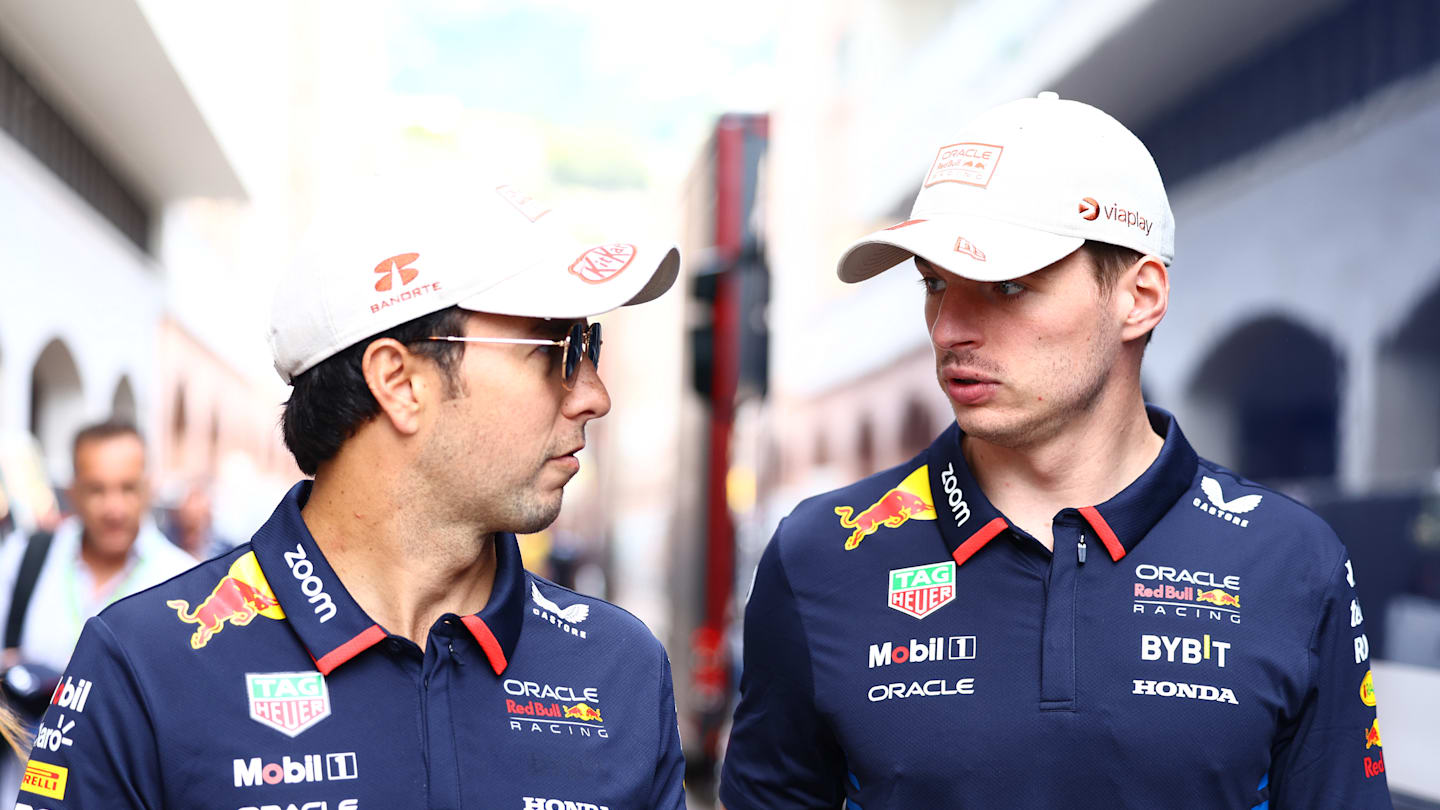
(1048, 95)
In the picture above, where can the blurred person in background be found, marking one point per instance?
(365, 647)
(50, 583)
(192, 524)
(1058, 603)
(108, 549)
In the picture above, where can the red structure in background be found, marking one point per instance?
(729, 362)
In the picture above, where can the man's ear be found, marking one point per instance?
(395, 377)
(1145, 295)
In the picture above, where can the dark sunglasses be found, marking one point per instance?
(579, 342)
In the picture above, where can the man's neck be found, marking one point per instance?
(103, 568)
(404, 568)
(1087, 463)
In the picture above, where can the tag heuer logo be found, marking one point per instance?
(289, 702)
(922, 589)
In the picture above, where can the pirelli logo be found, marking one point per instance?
(44, 779)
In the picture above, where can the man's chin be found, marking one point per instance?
(993, 428)
(538, 516)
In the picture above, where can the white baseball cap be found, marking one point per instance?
(395, 256)
(1022, 186)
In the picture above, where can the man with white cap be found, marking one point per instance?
(1058, 603)
(378, 643)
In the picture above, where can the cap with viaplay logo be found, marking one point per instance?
(392, 255)
(1022, 186)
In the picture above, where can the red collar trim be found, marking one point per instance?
(488, 642)
(978, 540)
(366, 639)
(1107, 535)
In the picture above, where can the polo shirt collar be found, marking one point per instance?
(333, 628)
(968, 521)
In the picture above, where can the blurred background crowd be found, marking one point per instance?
(160, 160)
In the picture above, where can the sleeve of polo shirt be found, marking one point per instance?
(1331, 755)
(669, 790)
(782, 753)
(96, 747)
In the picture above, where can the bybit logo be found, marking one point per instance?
(388, 267)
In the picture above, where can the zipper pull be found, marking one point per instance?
(1080, 549)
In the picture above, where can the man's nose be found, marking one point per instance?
(959, 318)
(588, 398)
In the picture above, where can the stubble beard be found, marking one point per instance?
(1041, 420)
(530, 512)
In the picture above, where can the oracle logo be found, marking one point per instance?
(388, 268)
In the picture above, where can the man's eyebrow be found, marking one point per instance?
(550, 328)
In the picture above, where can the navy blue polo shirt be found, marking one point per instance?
(1194, 642)
(255, 681)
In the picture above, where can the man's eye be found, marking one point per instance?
(932, 284)
(1009, 288)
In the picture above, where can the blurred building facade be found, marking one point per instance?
(153, 193)
(98, 136)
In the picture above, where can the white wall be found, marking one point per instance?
(69, 274)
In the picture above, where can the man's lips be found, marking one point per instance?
(969, 387)
(568, 459)
(965, 375)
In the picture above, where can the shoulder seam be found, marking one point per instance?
(124, 656)
(592, 600)
(799, 618)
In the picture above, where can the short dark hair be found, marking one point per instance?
(100, 431)
(330, 402)
(1109, 262)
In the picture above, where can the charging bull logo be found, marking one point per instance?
(237, 599)
(584, 711)
(909, 501)
(1218, 597)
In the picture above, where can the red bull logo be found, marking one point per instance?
(238, 598)
(1374, 767)
(1218, 598)
(1372, 735)
(583, 711)
(910, 500)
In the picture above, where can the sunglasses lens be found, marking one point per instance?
(595, 345)
(573, 351)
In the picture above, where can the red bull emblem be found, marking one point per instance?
(1218, 597)
(909, 501)
(1372, 735)
(583, 711)
(238, 598)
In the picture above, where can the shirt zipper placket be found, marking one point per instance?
(1057, 652)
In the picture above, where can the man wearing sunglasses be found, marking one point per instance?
(378, 643)
(1058, 603)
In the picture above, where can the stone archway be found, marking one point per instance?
(57, 406)
(1407, 402)
(916, 428)
(1266, 401)
(122, 403)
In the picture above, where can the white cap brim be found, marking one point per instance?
(564, 284)
(977, 248)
